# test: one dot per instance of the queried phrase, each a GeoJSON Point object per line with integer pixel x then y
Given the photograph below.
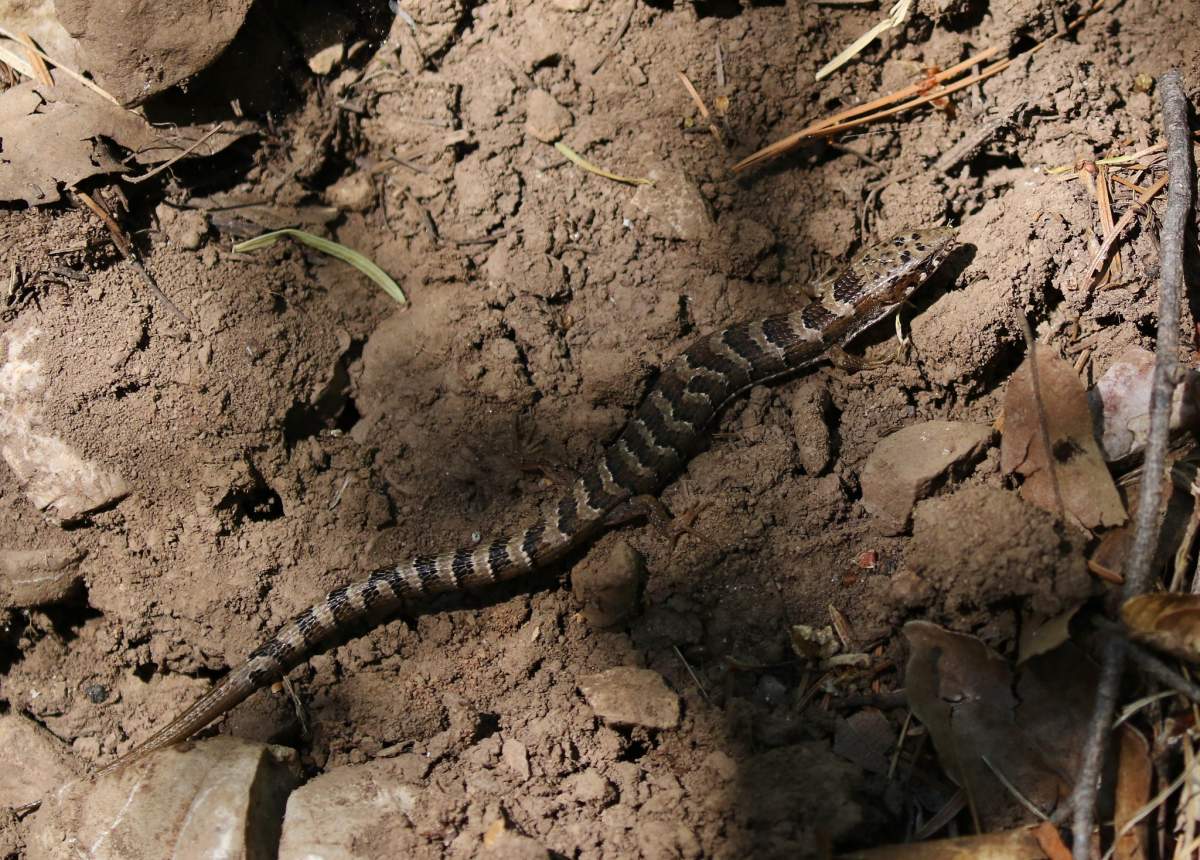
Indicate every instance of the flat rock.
{"type": "Point", "coordinates": [351, 813]}
{"type": "Point", "coordinates": [221, 797]}
{"type": "Point", "coordinates": [906, 466]}
{"type": "Point", "coordinates": [674, 207]}
{"type": "Point", "coordinates": [629, 696]}
{"type": "Point", "coordinates": [608, 582]}
{"type": "Point", "coordinates": [38, 577]}
{"type": "Point", "coordinates": [33, 762]}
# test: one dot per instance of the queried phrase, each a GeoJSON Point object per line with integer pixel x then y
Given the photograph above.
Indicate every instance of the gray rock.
{"type": "Point", "coordinates": [906, 466]}
{"type": "Point", "coordinates": [221, 797]}
{"type": "Point", "coordinates": [630, 696]}
{"type": "Point", "coordinates": [341, 814]}
{"type": "Point", "coordinates": [608, 583]}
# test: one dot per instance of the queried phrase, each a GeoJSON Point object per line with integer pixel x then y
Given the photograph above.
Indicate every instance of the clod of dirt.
{"type": "Point", "coordinates": [357, 811]}
{"type": "Point", "coordinates": [516, 755]}
{"type": "Point", "coordinates": [136, 50]}
{"type": "Point", "coordinates": [508, 845]}
{"type": "Point", "coordinates": [628, 696]}
{"type": "Point", "coordinates": [353, 193]}
{"type": "Point", "coordinates": [608, 583]}
{"type": "Point", "coordinates": [673, 205]}
{"type": "Point", "coordinates": [545, 118]}
{"type": "Point", "coordinates": [906, 466]}
{"type": "Point", "coordinates": [1071, 477]}
{"type": "Point", "coordinates": [1120, 403]}
{"type": "Point", "coordinates": [37, 577]}
{"type": "Point", "coordinates": [802, 786]}
{"type": "Point", "coordinates": [982, 545]}
{"type": "Point", "coordinates": [322, 32]}
{"type": "Point", "coordinates": [810, 406]}
{"type": "Point", "coordinates": [222, 796]}
{"type": "Point", "coordinates": [33, 762]}
{"type": "Point", "coordinates": [52, 473]}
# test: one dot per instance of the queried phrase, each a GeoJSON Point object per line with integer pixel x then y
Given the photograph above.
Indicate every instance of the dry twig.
{"type": "Point", "coordinates": [1137, 566]}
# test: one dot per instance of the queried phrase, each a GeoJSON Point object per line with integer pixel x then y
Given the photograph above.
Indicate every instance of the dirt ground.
{"type": "Point", "coordinates": [304, 430]}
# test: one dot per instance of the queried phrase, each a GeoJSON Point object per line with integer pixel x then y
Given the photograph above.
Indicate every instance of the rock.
{"type": "Point", "coordinates": [630, 696]}
{"type": "Point", "coordinates": [340, 814]}
{"type": "Point", "coordinates": [906, 466]}
{"type": "Point", "coordinates": [353, 193]}
{"type": "Point", "coordinates": [674, 205]}
{"type": "Point", "coordinates": [221, 797]}
{"type": "Point", "coordinates": [136, 50]}
{"type": "Point", "coordinates": [1120, 403]}
{"type": "Point", "coordinates": [33, 762]}
{"type": "Point", "coordinates": [516, 756]}
{"type": "Point", "coordinates": [608, 583]}
{"type": "Point", "coordinates": [572, 5]}
{"type": "Point", "coordinates": [590, 787]}
{"type": "Point", "coordinates": [53, 475]}
{"type": "Point", "coordinates": [37, 577]}
{"type": "Point", "coordinates": [545, 118]}
{"type": "Point", "coordinates": [508, 845]}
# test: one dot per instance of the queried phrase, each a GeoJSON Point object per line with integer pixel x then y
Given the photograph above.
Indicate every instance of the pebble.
{"type": "Point", "coordinates": [906, 466]}
{"type": "Point", "coordinates": [629, 696]}
{"type": "Point", "coordinates": [516, 756]}
{"type": "Point", "coordinates": [353, 193]}
{"type": "Point", "coordinates": [674, 205]}
{"type": "Point", "coordinates": [608, 583]}
{"type": "Point", "coordinates": [545, 118]}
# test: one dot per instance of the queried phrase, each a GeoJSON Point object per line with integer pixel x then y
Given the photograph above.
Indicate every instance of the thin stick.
{"type": "Point", "coordinates": [1137, 566]}
{"type": "Point", "coordinates": [134, 180]}
{"type": "Point", "coordinates": [1119, 228]}
{"type": "Point", "coordinates": [687, 85]}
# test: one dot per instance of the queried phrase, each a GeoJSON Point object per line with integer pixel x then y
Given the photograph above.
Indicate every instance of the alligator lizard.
{"type": "Point", "coordinates": [653, 447]}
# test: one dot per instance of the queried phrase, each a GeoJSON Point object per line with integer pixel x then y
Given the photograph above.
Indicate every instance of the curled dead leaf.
{"type": "Point", "coordinates": [1168, 622]}
{"type": "Point", "coordinates": [1067, 476]}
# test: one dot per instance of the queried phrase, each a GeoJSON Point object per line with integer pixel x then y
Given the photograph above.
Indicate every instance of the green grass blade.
{"type": "Point", "coordinates": [333, 249]}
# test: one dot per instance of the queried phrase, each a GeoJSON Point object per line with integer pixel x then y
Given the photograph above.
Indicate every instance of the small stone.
{"type": "Point", "coordinates": [590, 787]}
{"type": "Point", "coordinates": [353, 193]}
{"type": "Point", "coordinates": [906, 466]}
{"type": "Point", "coordinates": [545, 118]}
{"type": "Point", "coordinates": [572, 5]}
{"type": "Point", "coordinates": [38, 577]}
{"type": "Point", "coordinates": [630, 696]}
{"type": "Point", "coordinates": [608, 583]}
{"type": "Point", "coordinates": [219, 797]}
{"type": "Point", "coordinates": [674, 206]}
{"type": "Point", "coordinates": [516, 756]}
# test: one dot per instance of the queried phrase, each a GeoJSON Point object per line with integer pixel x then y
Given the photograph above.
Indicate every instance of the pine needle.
{"type": "Point", "coordinates": [577, 159]}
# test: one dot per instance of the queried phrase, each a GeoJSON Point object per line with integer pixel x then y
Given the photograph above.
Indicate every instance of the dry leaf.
{"type": "Point", "coordinates": [1135, 774]}
{"type": "Point", "coordinates": [1072, 475]}
{"type": "Point", "coordinates": [55, 137]}
{"type": "Point", "coordinates": [1029, 730]}
{"type": "Point", "coordinates": [1169, 622]}
{"type": "Point", "coordinates": [1044, 635]}
{"type": "Point", "coordinates": [1019, 844]}
{"type": "Point", "coordinates": [1120, 403]}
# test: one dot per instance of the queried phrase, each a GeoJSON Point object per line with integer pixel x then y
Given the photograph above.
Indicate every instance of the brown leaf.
{"type": "Point", "coordinates": [1050, 842]}
{"type": "Point", "coordinates": [56, 137]}
{"type": "Point", "coordinates": [1019, 844]}
{"type": "Point", "coordinates": [1135, 773]}
{"type": "Point", "coordinates": [963, 692]}
{"type": "Point", "coordinates": [1169, 622]}
{"type": "Point", "coordinates": [1071, 477]}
